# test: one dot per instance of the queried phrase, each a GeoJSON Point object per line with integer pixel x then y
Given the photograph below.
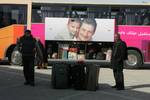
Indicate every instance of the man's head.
{"type": "Point", "coordinates": [117, 37]}
{"type": "Point", "coordinates": [87, 29]}
{"type": "Point", "coordinates": [27, 33]}
{"type": "Point", "coordinates": [74, 26]}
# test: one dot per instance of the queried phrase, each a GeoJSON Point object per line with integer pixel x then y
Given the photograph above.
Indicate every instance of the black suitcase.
{"type": "Point", "coordinates": [60, 76]}
{"type": "Point", "coordinates": [78, 77]}
{"type": "Point", "coordinates": [92, 77]}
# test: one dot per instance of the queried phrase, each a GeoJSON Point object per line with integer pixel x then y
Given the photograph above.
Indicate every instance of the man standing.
{"type": "Point", "coordinates": [119, 54]}
{"type": "Point", "coordinates": [40, 54]}
{"type": "Point", "coordinates": [27, 46]}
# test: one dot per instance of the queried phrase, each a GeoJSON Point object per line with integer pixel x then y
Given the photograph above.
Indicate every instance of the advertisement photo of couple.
{"type": "Point", "coordinates": [78, 29]}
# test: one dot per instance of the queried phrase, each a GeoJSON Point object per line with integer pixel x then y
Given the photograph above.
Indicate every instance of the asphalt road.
{"type": "Point", "coordinates": [137, 86]}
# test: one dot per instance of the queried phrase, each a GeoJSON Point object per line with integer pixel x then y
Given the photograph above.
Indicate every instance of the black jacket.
{"type": "Point", "coordinates": [27, 45]}
{"type": "Point", "coordinates": [119, 54]}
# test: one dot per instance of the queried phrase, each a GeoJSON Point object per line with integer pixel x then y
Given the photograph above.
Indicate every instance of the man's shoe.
{"type": "Point", "coordinates": [113, 86]}
{"type": "Point", "coordinates": [26, 83]}
{"type": "Point", "coordinates": [120, 88]}
{"type": "Point", "coordinates": [32, 84]}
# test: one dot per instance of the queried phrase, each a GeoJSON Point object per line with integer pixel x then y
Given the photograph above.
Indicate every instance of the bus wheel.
{"type": "Point", "coordinates": [16, 58]}
{"type": "Point", "coordinates": [134, 59]}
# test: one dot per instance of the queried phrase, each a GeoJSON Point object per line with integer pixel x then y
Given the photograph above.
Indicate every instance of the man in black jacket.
{"type": "Point", "coordinates": [119, 54]}
{"type": "Point", "coordinates": [27, 46]}
{"type": "Point", "coordinates": [41, 57]}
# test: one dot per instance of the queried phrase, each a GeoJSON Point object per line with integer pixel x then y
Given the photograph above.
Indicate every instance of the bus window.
{"type": "Point", "coordinates": [39, 12]}
{"type": "Point", "coordinates": [79, 11]}
{"type": "Point", "coordinates": [12, 14]}
{"type": "Point", "coordinates": [146, 18]}
{"type": "Point", "coordinates": [36, 14]}
{"type": "Point", "coordinates": [120, 18]}
{"type": "Point", "coordinates": [139, 18]}
{"type": "Point", "coordinates": [130, 16]}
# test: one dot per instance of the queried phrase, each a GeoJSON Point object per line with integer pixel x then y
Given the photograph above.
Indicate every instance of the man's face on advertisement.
{"type": "Point", "coordinates": [86, 32]}
{"type": "Point", "coordinates": [73, 27]}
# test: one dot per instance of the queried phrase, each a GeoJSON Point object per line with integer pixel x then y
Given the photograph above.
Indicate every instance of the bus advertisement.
{"type": "Point", "coordinates": [54, 30]}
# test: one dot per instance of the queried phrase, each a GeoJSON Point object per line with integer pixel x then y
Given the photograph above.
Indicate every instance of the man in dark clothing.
{"type": "Point", "coordinates": [40, 54]}
{"type": "Point", "coordinates": [118, 56]}
{"type": "Point", "coordinates": [27, 48]}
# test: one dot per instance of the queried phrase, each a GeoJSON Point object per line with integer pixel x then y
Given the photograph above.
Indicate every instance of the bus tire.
{"type": "Point", "coordinates": [16, 58]}
{"type": "Point", "coordinates": [134, 60]}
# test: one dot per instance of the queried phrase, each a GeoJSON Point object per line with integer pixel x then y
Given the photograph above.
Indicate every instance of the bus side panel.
{"type": "Point", "coordinates": [18, 32]}
{"type": "Point", "coordinates": [38, 31]}
{"type": "Point", "coordinates": [138, 37]}
{"type": "Point", "coordinates": [8, 36]}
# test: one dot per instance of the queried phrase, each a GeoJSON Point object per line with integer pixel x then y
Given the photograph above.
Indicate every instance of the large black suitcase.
{"type": "Point", "coordinates": [78, 76]}
{"type": "Point", "coordinates": [92, 77]}
{"type": "Point", "coordinates": [60, 76]}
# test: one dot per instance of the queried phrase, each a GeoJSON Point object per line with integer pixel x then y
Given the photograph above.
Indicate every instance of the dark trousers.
{"type": "Point", "coordinates": [119, 78]}
{"type": "Point", "coordinates": [28, 68]}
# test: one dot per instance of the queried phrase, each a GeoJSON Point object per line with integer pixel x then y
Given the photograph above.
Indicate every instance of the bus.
{"type": "Point", "coordinates": [132, 21]}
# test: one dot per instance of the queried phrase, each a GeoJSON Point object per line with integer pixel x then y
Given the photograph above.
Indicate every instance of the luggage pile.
{"type": "Point", "coordinates": [78, 76]}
